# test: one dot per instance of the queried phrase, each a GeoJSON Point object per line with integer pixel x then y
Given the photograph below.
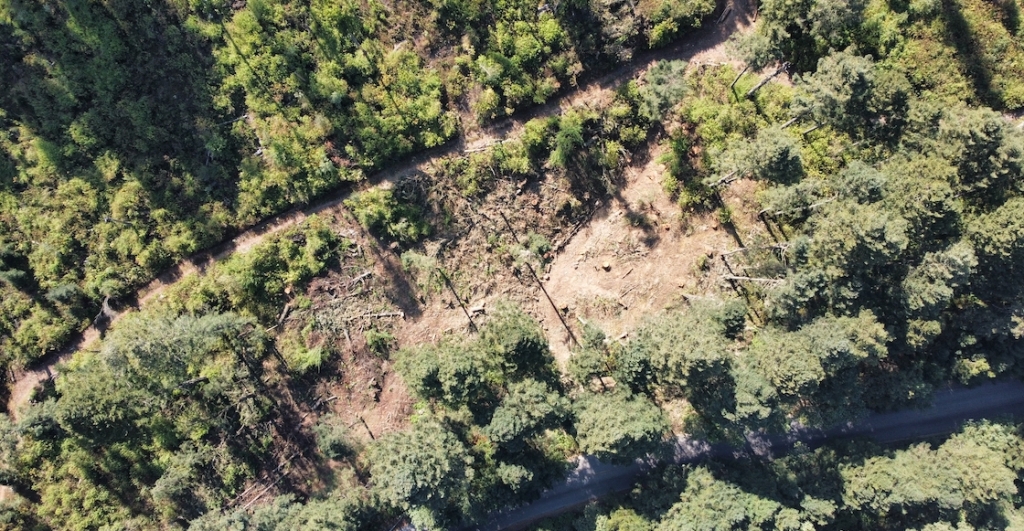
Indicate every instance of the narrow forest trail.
{"type": "Point", "coordinates": [705, 45]}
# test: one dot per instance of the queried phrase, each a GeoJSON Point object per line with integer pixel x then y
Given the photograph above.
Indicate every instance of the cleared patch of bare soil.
{"type": "Point", "coordinates": [704, 46]}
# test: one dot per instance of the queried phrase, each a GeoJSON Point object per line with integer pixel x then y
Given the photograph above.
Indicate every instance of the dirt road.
{"type": "Point", "coordinates": [950, 408]}
{"type": "Point", "coordinates": [706, 45]}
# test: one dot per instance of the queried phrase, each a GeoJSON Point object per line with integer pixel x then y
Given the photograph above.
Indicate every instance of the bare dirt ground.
{"type": "Point", "coordinates": [703, 46]}
{"type": "Point", "coordinates": [637, 256]}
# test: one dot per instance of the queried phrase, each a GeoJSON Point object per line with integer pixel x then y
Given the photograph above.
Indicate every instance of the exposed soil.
{"type": "Point", "coordinates": [637, 255]}
{"type": "Point", "coordinates": [705, 45]}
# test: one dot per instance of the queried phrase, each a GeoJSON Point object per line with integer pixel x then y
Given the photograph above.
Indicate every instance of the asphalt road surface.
{"type": "Point", "coordinates": [949, 409]}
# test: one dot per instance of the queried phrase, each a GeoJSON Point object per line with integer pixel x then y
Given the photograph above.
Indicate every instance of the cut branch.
{"type": "Point", "coordinates": [376, 316]}
{"type": "Point", "coordinates": [782, 68]}
{"type": "Point", "coordinates": [810, 130]}
{"type": "Point", "coordinates": [754, 279]}
{"type": "Point", "coordinates": [727, 178]}
{"type": "Point", "coordinates": [792, 121]}
{"type": "Point", "coordinates": [738, 76]}
{"type": "Point", "coordinates": [778, 247]}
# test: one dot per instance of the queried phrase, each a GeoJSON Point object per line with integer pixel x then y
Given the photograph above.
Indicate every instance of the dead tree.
{"type": "Point", "coordinates": [782, 68]}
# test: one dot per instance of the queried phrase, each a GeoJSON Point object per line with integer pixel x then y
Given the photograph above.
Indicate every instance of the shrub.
{"type": "Point", "coordinates": [380, 212]}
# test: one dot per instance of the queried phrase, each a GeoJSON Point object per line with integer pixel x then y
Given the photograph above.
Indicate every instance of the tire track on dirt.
{"type": "Point", "coordinates": [705, 44]}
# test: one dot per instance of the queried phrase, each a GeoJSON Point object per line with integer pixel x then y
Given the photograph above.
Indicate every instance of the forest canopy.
{"type": "Point", "coordinates": [850, 176]}
{"type": "Point", "coordinates": [135, 134]}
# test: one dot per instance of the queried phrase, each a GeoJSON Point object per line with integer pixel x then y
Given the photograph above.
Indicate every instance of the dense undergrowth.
{"type": "Point", "coordinates": [134, 134]}
{"type": "Point", "coordinates": [966, 481]}
{"type": "Point", "coordinates": [884, 262]}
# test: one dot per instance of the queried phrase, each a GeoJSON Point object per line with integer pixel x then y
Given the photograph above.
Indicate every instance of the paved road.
{"type": "Point", "coordinates": [949, 410]}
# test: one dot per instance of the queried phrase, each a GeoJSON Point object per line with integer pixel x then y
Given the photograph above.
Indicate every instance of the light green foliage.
{"type": "Point", "coordinates": [527, 55]}
{"type": "Point", "coordinates": [669, 17]}
{"type": "Point", "coordinates": [619, 427]}
{"type": "Point", "coordinates": [133, 135]}
{"type": "Point", "coordinates": [379, 211]}
{"type": "Point", "coordinates": [379, 342]}
{"type": "Point", "coordinates": [719, 138]}
{"type": "Point", "coordinates": [255, 282]}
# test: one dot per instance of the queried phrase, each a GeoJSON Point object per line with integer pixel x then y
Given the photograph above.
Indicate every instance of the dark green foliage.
{"type": "Point", "coordinates": [733, 316]}
{"type": "Point", "coordinates": [950, 51]}
{"type": "Point", "coordinates": [529, 408]}
{"type": "Point", "coordinates": [686, 351]}
{"type": "Point", "coordinates": [511, 348]}
{"type": "Point", "coordinates": [966, 482]}
{"type": "Point", "coordinates": [592, 360]}
{"type": "Point", "coordinates": [921, 484]}
{"type": "Point", "coordinates": [816, 370]}
{"type": "Point", "coordinates": [665, 87]}
{"type": "Point", "coordinates": [424, 471]}
{"type": "Point", "coordinates": [284, 513]}
{"type": "Point", "coordinates": [772, 156]}
{"type": "Point", "coordinates": [453, 375]}
{"type": "Point", "coordinates": [517, 343]}
{"type": "Point", "coordinates": [839, 92]}
{"type": "Point", "coordinates": [619, 427]}
{"type": "Point", "coordinates": [503, 400]}
{"type": "Point", "coordinates": [855, 239]}
{"type": "Point", "coordinates": [169, 408]}
{"type": "Point", "coordinates": [669, 17]}
{"type": "Point", "coordinates": [987, 153]}
{"type": "Point", "coordinates": [633, 368]}
{"type": "Point", "coordinates": [715, 505]}
{"type": "Point", "coordinates": [332, 438]}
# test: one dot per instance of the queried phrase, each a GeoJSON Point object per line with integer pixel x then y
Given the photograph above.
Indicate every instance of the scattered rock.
{"type": "Point", "coordinates": [607, 266]}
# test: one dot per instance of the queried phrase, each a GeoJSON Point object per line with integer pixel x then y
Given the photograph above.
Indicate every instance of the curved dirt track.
{"type": "Point", "coordinates": [949, 409]}
{"type": "Point", "coordinates": [706, 45]}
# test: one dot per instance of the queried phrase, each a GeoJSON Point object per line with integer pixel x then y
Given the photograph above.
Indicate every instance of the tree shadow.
{"type": "Point", "coordinates": [969, 52]}
{"type": "Point", "coordinates": [1011, 18]}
